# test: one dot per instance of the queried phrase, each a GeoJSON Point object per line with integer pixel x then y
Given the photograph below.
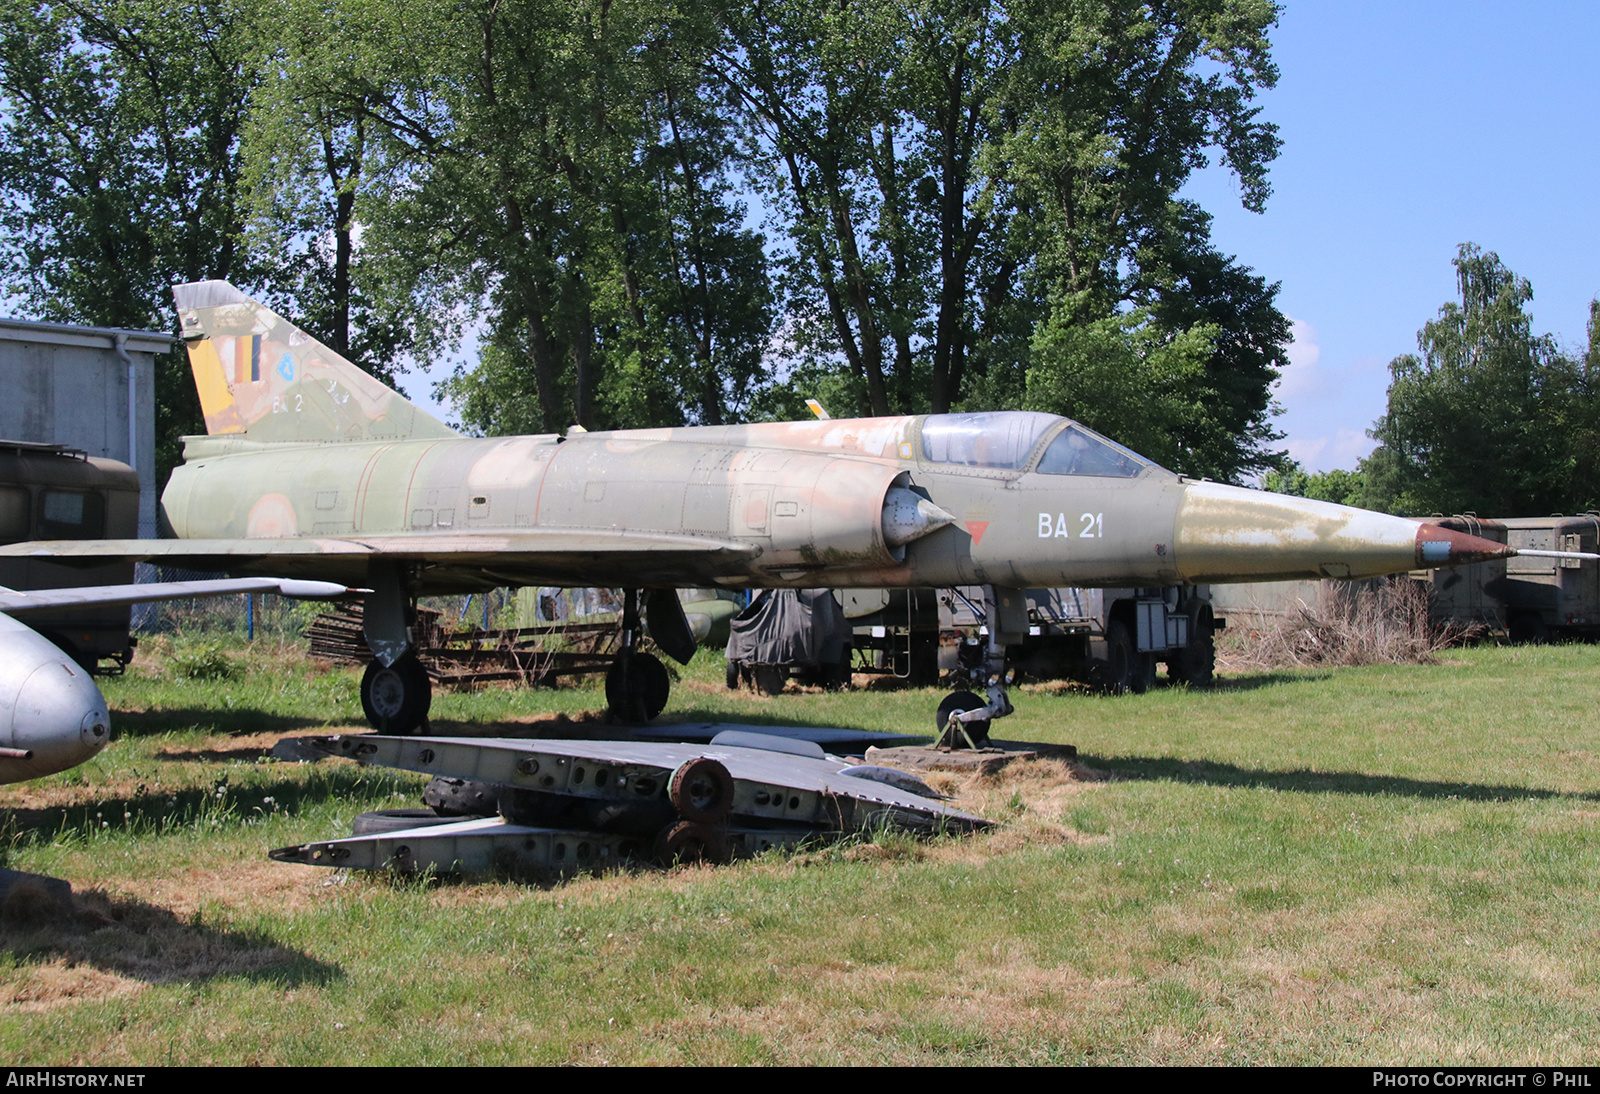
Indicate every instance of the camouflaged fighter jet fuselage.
{"type": "Point", "coordinates": [313, 469]}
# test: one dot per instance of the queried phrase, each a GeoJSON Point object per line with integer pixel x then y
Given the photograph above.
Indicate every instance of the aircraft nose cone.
{"type": "Point", "coordinates": [59, 716]}
{"type": "Point", "coordinates": [1438, 546]}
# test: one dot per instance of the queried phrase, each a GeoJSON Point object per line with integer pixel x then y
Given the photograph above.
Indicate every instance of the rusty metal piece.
{"type": "Point", "coordinates": [701, 790]}
{"type": "Point", "coordinates": [467, 657]}
{"type": "Point", "coordinates": [690, 841]}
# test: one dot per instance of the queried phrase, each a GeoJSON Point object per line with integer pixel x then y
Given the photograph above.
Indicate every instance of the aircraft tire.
{"type": "Point", "coordinates": [380, 821]}
{"type": "Point", "coordinates": [690, 841]}
{"type": "Point", "coordinates": [701, 790]}
{"type": "Point", "coordinates": [637, 687]}
{"type": "Point", "coordinates": [654, 681]}
{"type": "Point", "coordinates": [395, 698]}
{"type": "Point", "coordinates": [960, 702]}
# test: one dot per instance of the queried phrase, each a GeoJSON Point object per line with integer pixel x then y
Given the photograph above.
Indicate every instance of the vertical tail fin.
{"type": "Point", "coordinates": [262, 377]}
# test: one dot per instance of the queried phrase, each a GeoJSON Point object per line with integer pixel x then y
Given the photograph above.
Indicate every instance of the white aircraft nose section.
{"type": "Point", "coordinates": [58, 718]}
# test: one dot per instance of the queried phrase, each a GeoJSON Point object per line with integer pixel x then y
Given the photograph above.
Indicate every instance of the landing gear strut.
{"type": "Point", "coordinates": [963, 717]}
{"type": "Point", "coordinates": [395, 690]}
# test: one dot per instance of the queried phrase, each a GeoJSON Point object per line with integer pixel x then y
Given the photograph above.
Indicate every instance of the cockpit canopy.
{"type": "Point", "coordinates": [1005, 440]}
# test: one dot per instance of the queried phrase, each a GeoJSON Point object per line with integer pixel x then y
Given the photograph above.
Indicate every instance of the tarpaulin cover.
{"type": "Point", "coordinates": [790, 627]}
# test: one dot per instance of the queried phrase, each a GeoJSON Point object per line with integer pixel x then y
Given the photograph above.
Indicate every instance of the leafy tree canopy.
{"type": "Point", "coordinates": [1488, 417]}
{"type": "Point", "coordinates": [1338, 486]}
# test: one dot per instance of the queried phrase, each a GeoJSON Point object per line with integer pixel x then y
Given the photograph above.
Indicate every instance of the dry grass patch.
{"type": "Point", "coordinates": [1371, 623]}
{"type": "Point", "coordinates": [111, 944]}
{"type": "Point", "coordinates": [60, 983]}
{"type": "Point", "coordinates": [241, 885]}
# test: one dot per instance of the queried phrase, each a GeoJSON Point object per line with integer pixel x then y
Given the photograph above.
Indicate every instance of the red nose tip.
{"type": "Point", "coordinates": [1438, 546]}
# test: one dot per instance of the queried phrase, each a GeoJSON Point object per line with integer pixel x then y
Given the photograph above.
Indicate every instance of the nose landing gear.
{"type": "Point", "coordinates": [963, 718]}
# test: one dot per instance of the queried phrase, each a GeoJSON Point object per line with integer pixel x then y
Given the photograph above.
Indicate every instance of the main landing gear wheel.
{"type": "Point", "coordinates": [959, 702]}
{"type": "Point", "coordinates": [637, 687]}
{"type": "Point", "coordinates": [396, 698]}
{"type": "Point", "coordinates": [701, 790]}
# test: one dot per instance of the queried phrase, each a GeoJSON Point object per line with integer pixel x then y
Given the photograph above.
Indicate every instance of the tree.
{"type": "Point", "coordinates": [1468, 426]}
{"type": "Point", "coordinates": [948, 172]}
{"type": "Point", "coordinates": [1572, 413]}
{"type": "Point", "coordinates": [553, 170]}
{"type": "Point", "coordinates": [1338, 486]}
{"type": "Point", "coordinates": [1121, 375]}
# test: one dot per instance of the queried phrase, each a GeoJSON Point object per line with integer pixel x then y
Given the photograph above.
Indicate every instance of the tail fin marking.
{"type": "Point", "coordinates": [263, 377]}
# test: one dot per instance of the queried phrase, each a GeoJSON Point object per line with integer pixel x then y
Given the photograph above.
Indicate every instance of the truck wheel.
{"type": "Point", "coordinates": [959, 702]}
{"type": "Point", "coordinates": [1144, 673]}
{"type": "Point", "coordinates": [688, 841]}
{"type": "Point", "coordinates": [769, 679]}
{"type": "Point", "coordinates": [1117, 670]}
{"type": "Point", "coordinates": [1196, 664]}
{"type": "Point", "coordinates": [836, 677]}
{"type": "Point", "coordinates": [396, 698]}
{"type": "Point", "coordinates": [701, 790]}
{"type": "Point", "coordinates": [1527, 628]}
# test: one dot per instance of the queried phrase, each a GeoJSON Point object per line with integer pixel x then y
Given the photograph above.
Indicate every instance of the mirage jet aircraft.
{"type": "Point", "coordinates": [312, 468]}
{"type": "Point", "coordinates": [52, 715]}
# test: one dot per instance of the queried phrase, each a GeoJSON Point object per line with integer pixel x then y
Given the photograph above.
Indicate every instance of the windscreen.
{"type": "Point", "coordinates": [1000, 439]}
{"type": "Point", "coordinates": [1078, 451]}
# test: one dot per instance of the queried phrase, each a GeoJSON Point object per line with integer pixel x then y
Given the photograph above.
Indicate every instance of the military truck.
{"type": "Point", "coordinates": [1112, 638]}
{"type": "Point", "coordinates": [53, 492]}
{"type": "Point", "coordinates": [1552, 597]}
{"type": "Point", "coordinates": [1527, 598]}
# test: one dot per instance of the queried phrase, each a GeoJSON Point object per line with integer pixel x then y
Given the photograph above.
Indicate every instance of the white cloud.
{"type": "Point", "coordinates": [1329, 402]}
{"type": "Point", "coordinates": [1302, 375]}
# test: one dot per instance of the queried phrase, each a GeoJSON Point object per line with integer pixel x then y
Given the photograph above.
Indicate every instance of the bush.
{"type": "Point", "coordinates": [204, 662]}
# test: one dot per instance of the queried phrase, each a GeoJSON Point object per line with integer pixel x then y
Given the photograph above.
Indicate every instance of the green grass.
{"type": "Point", "coordinates": [1382, 865]}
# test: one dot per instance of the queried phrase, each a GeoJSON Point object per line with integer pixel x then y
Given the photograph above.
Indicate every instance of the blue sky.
{"type": "Point", "coordinates": [1408, 129]}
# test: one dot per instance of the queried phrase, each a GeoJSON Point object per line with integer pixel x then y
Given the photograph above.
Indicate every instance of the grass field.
{"type": "Point", "coordinates": [1378, 865]}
